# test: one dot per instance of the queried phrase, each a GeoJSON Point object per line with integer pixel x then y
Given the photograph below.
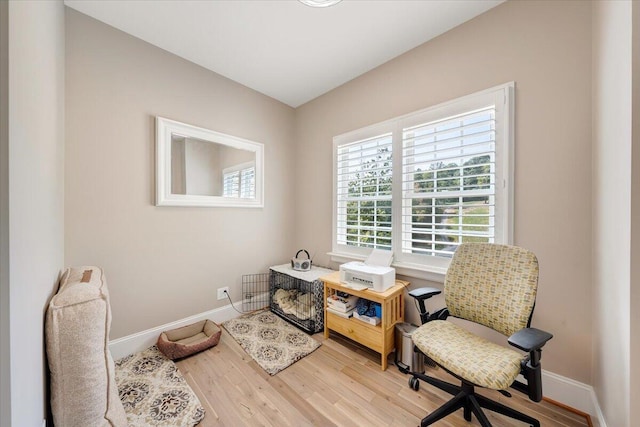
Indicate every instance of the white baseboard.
{"type": "Point", "coordinates": [142, 340]}
{"type": "Point", "coordinates": [599, 417]}
{"type": "Point", "coordinates": [572, 393]}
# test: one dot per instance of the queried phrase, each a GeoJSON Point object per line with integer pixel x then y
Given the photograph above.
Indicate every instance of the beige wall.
{"type": "Point", "coordinates": [634, 395]}
{"type": "Point", "coordinates": [32, 213]}
{"type": "Point", "coordinates": [5, 354]}
{"type": "Point", "coordinates": [162, 263]}
{"type": "Point", "coordinates": [545, 48]}
{"type": "Point", "coordinates": [612, 84]}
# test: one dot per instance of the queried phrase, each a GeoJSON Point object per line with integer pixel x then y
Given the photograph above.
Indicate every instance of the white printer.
{"type": "Point", "coordinates": [374, 277]}
{"type": "Point", "coordinates": [374, 274]}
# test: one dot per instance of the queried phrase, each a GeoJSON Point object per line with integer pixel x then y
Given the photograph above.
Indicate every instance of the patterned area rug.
{"type": "Point", "coordinates": [154, 392]}
{"type": "Point", "coordinates": [270, 341]}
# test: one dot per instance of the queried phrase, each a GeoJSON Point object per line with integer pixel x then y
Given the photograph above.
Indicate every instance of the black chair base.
{"type": "Point", "coordinates": [465, 398]}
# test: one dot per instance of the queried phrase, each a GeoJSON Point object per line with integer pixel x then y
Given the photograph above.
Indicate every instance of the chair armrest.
{"type": "Point", "coordinates": [424, 293]}
{"type": "Point", "coordinates": [420, 295]}
{"type": "Point", "coordinates": [529, 339]}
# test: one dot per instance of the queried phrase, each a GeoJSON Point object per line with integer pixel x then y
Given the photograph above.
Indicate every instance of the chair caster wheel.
{"type": "Point", "coordinates": [414, 383]}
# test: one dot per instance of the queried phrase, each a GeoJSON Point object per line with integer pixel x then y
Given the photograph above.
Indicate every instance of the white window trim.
{"type": "Point", "coordinates": [505, 102]}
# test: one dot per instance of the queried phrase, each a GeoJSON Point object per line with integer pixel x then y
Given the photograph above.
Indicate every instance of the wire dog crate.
{"type": "Point", "coordinates": [255, 291]}
{"type": "Point", "coordinates": [298, 296]}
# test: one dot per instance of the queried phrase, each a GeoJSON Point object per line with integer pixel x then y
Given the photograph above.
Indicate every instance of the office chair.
{"type": "Point", "coordinates": [493, 285]}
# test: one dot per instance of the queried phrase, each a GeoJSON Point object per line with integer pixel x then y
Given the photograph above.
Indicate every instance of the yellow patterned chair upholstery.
{"type": "Point", "coordinates": [495, 286]}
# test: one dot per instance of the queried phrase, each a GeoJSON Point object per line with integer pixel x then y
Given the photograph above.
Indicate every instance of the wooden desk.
{"type": "Point", "coordinates": [379, 338]}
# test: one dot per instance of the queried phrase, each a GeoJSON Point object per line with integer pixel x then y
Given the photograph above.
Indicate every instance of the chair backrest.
{"type": "Point", "coordinates": [494, 285]}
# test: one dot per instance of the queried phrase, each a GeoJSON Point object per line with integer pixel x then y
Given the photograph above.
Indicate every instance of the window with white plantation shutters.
{"type": "Point", "coordinates": [239, 181]}
{"type": "Point", "coordinates": [422, 184]}
{"type": "Point", "coordinates": [231, 184]}
{"type": "Point", "coordinates": [448, 169]}
{"type": "Point", "coordinates": [248, 183]}
{"type": "Point", "coordinates": [364, 179]}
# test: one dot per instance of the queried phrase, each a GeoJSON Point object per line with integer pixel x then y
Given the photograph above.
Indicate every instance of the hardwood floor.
{"type": "Point", "coordinates": [340, 384]}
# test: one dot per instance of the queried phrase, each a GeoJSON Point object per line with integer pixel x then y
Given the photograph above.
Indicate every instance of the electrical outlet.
{"type": "Point", "coordinates": [222, 294]}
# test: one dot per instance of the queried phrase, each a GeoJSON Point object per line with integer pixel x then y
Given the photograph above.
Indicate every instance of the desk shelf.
{"type": "Point", "coordinates": [379, 338]}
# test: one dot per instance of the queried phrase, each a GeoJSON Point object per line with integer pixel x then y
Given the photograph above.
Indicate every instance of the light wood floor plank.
{"type": "Point", "coordinates": [307, 410]}
{"type": "Point", "coordinates": [340, 384]}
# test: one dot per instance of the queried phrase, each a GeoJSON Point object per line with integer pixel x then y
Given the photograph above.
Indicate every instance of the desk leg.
{"type": "Point", "coordinates": [324, 305]}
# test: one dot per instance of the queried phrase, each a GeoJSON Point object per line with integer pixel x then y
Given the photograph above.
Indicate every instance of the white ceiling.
{"type": "Point", "coordinates": [283, 48]}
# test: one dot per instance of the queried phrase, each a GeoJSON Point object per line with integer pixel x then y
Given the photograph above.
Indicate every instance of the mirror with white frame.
{"type": "Point", "coordinates": [201, 167]}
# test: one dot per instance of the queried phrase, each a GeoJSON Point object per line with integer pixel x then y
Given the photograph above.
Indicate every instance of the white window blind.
{"type": "Point", "coordinates": [364, 190]}
{"type": "Point", "coordinates": [231, 184]}
{"type": "Point", "coordinates": [248, 183]}
{"type": "Point", "coordinates": [449, 183]}
{"type": "Point", "coordinates": [239, 181]}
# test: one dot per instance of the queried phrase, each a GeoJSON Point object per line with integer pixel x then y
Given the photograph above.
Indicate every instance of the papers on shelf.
{"type": "Point", "coordinates": [345, 314]}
